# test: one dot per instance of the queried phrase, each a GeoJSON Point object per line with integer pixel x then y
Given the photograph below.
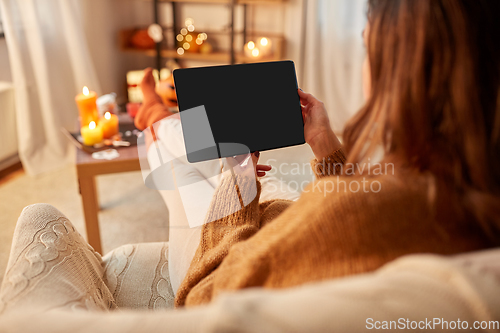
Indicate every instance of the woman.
{"type": "Point", "coordinates": [432, 85]}
{"type": "Point", "coordinates": [432, 79]}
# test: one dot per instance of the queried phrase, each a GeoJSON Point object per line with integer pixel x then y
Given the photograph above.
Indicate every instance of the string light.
{"type": "Point", "coordinates": [251, 45]}
{"type": "Point", "coordinates": [187, 36]}
{"type": "Point", "coordinates": [255, 52]}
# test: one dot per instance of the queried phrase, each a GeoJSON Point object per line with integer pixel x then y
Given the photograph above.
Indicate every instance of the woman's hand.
{"type": "Point", "coordinates": [241, 163]}
{"type": "Point", "coordinates": [317, 131]}
{"type": "Point", "coordinates": [260, 169]}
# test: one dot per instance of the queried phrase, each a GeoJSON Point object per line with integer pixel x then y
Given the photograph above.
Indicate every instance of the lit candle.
{"type": "Point", "coordinates": [251, 50]}
{"type": "Point", "coordinates": [86, 102]}
{"type": "Point", "coordinates": [109, 125]}
{"type": "Point", "coordinates": [264, 46]}
{"type": "Point", "coordinates": [91, 134]}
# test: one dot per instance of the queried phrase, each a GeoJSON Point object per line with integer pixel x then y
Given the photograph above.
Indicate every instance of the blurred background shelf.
{"type": "Point", "coordinates": [219, 56]}
{"type": "Point", "coordinates": [234, 40]}
{"type": "Point", "coordinates": [238, 2]}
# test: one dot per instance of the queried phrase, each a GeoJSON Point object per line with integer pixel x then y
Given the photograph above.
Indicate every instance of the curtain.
{"type": "Point", "coordinates": [50, 63]}
{"type": "Point", "coordinates": [333, 56]}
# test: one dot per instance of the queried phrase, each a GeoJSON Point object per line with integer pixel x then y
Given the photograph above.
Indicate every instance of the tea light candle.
{"type": "Point", "coordinates": [109, 125]}
{"type": "Point", "coordinates": [86, 102]}
{"type": "Point", "coordinates": [264, 45]}
{"type": "Point", "coordinates": [251, 50]}
{"type": "Point", "coordinates": [91, 134]}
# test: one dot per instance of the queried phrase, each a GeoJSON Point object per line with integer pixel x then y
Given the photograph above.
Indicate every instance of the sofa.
{"type": "Point", "coordinates": [55, 282]}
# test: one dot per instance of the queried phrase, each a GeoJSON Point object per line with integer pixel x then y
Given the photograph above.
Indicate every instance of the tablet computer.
{"type": "Point", "coordinates": [249, 107]}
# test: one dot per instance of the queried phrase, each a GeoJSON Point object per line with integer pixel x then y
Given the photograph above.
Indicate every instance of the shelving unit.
{"type": "Point", "coordinates": [232, 56]}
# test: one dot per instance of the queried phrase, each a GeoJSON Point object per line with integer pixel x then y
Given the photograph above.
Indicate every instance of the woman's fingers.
{"type": "Point", "coordinates": [239, 163]}
{"type": "Point", "coordinates": [263, 167]}
{"type": "Point", "coordinates": [307, 99]}
{"type": "Point", "coordinates": [306, 109]}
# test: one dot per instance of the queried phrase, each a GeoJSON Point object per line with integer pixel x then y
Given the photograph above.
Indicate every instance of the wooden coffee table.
{"type": "Point", "coordinates": [87, 169]}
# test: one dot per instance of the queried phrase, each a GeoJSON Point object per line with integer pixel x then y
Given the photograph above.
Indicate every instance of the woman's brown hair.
{"type": "Point", "coordinates": [435, 101]}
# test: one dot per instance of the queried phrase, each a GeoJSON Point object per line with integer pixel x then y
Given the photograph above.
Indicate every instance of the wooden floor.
{"type": "Point", "coordinates": [11, 173]}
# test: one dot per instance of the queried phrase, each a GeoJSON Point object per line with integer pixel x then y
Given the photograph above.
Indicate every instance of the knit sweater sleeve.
{"type": "Point", "coordinates": [228, 222]}
{"type": "Point", "coordinates": [330, 165]}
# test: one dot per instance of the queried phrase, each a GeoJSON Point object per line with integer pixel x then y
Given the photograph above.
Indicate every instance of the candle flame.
{"type": "Point", "coordinates": [85, 91]}
{"type": "Point", "coordinates": [264, 41]}
{"type": "Point", "coordinates": [92, 125]}
{"type": "Point", "coordinates": [251, 45]}
{"type": "Point", "coordinates": [255, 52]}
{"type": "Point", "coordinates": [107, 115]}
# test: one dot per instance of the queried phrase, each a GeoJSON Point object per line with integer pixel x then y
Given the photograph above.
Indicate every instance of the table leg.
{"type": "Point", "coordinates": [90, 209]}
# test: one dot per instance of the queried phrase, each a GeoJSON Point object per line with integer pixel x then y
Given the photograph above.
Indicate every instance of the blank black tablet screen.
{"type": "Point", "coordinates": [256, 105]}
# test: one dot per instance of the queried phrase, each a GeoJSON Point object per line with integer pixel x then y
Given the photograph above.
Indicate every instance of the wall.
{"type": "Point", "coordinates": [4, 62]}
{"type": "Point", "coordinates": [103, 19]}
{"type": "Point", "coordinates": [8, 133]}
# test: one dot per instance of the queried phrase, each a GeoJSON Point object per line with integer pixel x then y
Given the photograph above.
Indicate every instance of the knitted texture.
{"type": "Point", "coordinates": [330, 165]}
{"type": "Point", "coordinates": [137, 276]}
{"type": "Point", "coordinates": [341, 225]}
{"type": "Point", "coordinates": [52, 267]}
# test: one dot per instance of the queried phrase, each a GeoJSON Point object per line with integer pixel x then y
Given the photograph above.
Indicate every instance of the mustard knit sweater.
{"type": "Point", "coordinates": [331, 231]}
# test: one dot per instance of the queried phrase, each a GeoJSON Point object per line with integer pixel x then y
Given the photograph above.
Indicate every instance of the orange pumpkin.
{"type": "Point", "coordinates": [141, 40]}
